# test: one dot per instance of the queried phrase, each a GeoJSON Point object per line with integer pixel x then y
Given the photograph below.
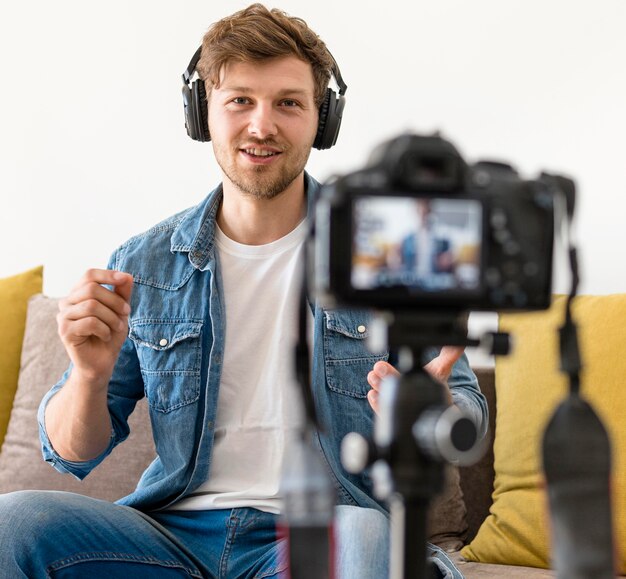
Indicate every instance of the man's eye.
{"type": "Point", "coordinates": [240, 100]}
{"type": "Point", "coordinates": [290, 103]}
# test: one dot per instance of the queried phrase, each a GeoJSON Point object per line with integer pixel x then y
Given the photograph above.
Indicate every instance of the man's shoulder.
{"type": "Point", "coordinates": [185, 222]}
{"type": "Point", "coordinates": [161, 243]}
{"type": "Point", "coordinates": [159, 232]}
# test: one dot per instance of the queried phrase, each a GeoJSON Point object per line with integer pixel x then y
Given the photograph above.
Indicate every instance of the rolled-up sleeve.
{"type": "Point", "coordinates": [79, 469]}
{"type": "Point", "coordinates": [467, 396]}
{"type": "Point", "coordinates": [125, 389]}
{"type": "Point", "coordinates": [465, 391]}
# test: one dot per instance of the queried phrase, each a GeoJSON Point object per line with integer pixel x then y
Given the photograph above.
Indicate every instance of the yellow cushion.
{"type": "Point", "coordinates": [14, 294]}
{"type": "Point", "coordinates": [529, 385]}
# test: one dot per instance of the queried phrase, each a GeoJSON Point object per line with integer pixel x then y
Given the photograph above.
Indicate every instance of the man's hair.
{"type": "Point", "coordinates": [256, 33]}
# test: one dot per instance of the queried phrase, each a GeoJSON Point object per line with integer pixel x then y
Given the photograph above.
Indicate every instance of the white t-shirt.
{"type": "Point", "coordinates": [259, 408]}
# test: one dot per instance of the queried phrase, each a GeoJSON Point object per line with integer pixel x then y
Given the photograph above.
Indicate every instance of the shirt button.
{"type": "Point", "coordinates": [163, 342]}
{"type": "Point", "coordinates": [361, 329]}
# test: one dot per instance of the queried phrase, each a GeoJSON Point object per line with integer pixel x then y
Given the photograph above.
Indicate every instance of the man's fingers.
{"type": "Point", "coordinates": [379, 372]}
{"type": "Point", "coordinates": [94, 291]}
{"type": "Point", "coordinates": [123, 285]}
{"type": "Point", "coordinates": [383, 369]}
{"type": "Point", "coordinates": [92, 308]}
{"type": "Point", "coordinates": [122, 282]}
{"type": "Point", "coordinates": [101, 276]}
{"type": "Point", "coordinates": [80, 330]}
{"type": "Point", "coordinates": [451, 353]}
{"type": "Point", "coordinates": [373, 380]}
{"type": "Point", "coordinates": [372, 398]}
{"type": "Point", "coordinates": [440, 367]}
{"type": "Point", "coordinates": [375, 377]}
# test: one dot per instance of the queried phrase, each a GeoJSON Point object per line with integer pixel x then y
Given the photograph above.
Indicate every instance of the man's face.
{"type": "Point", "coordinates": [263, 121]}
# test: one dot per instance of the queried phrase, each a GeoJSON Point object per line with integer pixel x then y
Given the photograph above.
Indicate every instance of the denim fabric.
{"type": "Point", "coordinates": [78, 537]}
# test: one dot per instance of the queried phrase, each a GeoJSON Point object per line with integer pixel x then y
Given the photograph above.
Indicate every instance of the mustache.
{"type": "Point", "coordinates": [262, 143]}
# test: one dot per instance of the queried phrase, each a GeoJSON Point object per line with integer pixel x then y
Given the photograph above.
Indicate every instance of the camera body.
{"type": "Point", "coordinates": [420, 229]}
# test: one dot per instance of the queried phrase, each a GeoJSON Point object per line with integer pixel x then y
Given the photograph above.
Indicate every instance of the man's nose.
{"type": "Point", "coordinates": [262, 121]}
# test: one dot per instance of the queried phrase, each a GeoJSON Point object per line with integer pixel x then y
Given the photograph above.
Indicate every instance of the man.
{"type": "Point", "coordinates": [199, 315]}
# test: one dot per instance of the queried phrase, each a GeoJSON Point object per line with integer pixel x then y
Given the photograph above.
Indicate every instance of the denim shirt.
{"type": "Point", "coordinates": [174, 353]}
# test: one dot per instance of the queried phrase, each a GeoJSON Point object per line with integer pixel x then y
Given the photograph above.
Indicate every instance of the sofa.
{"type": "Point", "coordinates": [43, 360]}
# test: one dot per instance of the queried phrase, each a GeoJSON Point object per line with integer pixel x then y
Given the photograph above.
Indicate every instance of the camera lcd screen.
{"type": "Point", "coordinates": [426, 245]}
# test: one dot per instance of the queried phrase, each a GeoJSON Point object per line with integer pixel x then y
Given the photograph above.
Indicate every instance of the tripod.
{"type": "Point", "coordinates": [416, 478]}
{"type": "Point", "coordinates": [415, 434]}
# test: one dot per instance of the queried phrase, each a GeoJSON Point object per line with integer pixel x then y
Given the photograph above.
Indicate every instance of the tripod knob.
{"type": "Point", "coordinates": [356, 452]}
{"type": "Point", "coordinates": [498, 343]}
{"type": "Point", "coordinates": [448, 434]}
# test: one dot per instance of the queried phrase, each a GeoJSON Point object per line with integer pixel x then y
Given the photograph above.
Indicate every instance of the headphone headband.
{"type": "Point", "coordinates": [343, 87]}
{"type": "Point", "coordinates": [191, 67]}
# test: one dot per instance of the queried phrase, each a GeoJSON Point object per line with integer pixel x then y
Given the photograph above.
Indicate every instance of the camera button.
{"type": "Point", "coordinates": [498, 219]}
{"type": "Point", "coordinates": [493, 277]}
{"type": "Point", "coordinates": [520, 299]}
{"type": "Point", "coordinates": [531, 269]}
{"type": "Point", "coordinates": [502, 236]}
{"type": "Point", "coordinates": [512, 248]}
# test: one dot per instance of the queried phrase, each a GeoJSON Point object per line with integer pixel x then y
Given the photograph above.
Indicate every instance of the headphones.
{"type": "Point", "coordinates": [196, 109]}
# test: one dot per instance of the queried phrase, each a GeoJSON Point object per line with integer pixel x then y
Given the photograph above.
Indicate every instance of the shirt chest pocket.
{"type": "Point", "coordinates": [169, 353]}
{"type": "Point", "coordinates": [347, 357]}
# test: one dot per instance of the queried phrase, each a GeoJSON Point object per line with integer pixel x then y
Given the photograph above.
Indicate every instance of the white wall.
{"type": "Point", "coordinates": [93, 148]}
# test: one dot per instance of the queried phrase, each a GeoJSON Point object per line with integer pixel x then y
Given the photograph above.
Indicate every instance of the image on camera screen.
{"type": "Point", "coordinates": [423, 244]}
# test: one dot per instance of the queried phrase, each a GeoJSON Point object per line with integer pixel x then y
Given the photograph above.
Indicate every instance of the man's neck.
{"type": "Point", "coordinates": [252, 221]}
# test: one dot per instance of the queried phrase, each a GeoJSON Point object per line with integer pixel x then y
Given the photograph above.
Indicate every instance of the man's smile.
{"type": "Point", "coordinates": [260, 152]}
{"type": "Point", "coordinates": [260, 155]}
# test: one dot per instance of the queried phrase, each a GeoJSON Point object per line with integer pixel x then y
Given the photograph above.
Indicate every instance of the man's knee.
{"type": "Point", "coordinates": [34, 513]}
{"type": "Point", "coordinates": [37, 525]}
{"type": "Point", "coordinates": [22, 505]}
{"type": "Point", "coordinates": [35, 503]}
{"type": "Point", "coordinates": [362, 542]}
{"type": "Point", "coordinates": [358, 521]}
{"type": "Point", "coordinates": [25, 517]}
{"type": "Point", "coordinates": [361, 530]}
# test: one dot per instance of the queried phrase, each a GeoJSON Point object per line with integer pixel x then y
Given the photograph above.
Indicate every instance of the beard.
{"type": "Point", "coordinates": [262, 182]}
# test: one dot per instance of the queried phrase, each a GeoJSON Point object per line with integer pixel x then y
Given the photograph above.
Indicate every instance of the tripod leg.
{"type": "Point", "coordinates": [408, 539]}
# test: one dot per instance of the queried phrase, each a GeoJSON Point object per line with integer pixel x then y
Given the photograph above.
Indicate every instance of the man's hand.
{"type": "Point", "coordinates": [375, 377]}
{"type": "Point", "coordinates": [439, 368]}
{"type": "Point", "coordinates": [93, 324]}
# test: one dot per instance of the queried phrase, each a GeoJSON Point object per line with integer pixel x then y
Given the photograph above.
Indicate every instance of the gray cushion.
{"type": "Point", "coordinates": [21, 465]}
{"type": "Point", "coordinates": [488, 571]}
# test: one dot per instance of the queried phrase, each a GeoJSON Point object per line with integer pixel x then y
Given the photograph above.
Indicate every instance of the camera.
{"type": "Point", "coordinates": [422, 237]}
{"type": "Point", "coordinates": [419, 228]}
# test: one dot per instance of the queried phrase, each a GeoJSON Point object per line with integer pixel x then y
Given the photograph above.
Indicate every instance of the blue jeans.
{"type": "Point", "coordinates": [47, 534]}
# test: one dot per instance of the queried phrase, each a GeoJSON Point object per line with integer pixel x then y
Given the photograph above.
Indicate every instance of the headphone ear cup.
{"type": "Point", "coordinates": [190, 125]}
{"type": "Point", "coordinates": [199, 111]}
{"type": "Point", "coordinates": [321, 123]}
{"type": "Point", "coordinates": [330, 113]}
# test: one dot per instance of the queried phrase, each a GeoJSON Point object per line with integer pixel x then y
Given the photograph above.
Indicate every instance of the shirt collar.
{"type": "Point", "coordinates": [195, 234]}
